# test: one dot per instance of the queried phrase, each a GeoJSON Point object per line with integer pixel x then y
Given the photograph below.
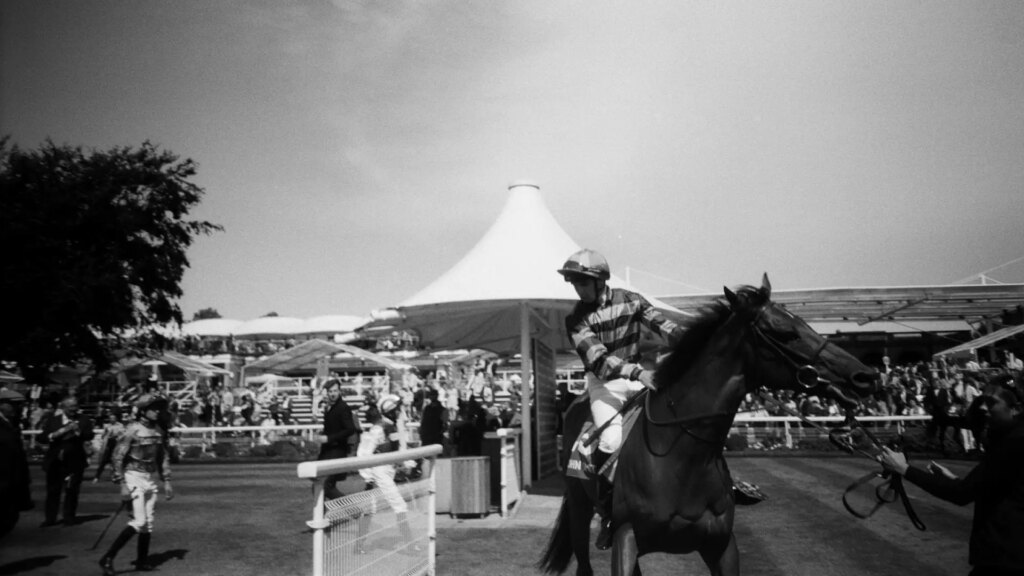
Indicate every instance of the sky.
{"type": "Point", "coordinates": [355, 151]}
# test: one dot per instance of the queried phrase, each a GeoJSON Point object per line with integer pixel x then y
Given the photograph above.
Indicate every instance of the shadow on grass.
{"type": "Point", "coordinates": [90, 518]}
{"type": "Point", "coordinates": [160, 558]}
{"type": "Point", "coordinates": [29, 564]}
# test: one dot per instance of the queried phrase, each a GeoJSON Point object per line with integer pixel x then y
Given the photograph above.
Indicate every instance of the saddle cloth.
{"type": "Point", "coordinates": [581, 457]}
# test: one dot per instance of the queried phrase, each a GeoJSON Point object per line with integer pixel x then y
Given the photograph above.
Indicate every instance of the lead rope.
{"type": "Point", "coordinates": [886, 492]}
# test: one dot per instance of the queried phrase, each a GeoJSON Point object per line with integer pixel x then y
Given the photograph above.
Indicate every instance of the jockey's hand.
{"type": "Point", "coordinates": [647, 379]}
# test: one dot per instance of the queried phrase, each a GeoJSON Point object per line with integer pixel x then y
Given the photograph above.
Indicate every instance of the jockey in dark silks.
{"type": "Point", "coordinates": [605, 328]}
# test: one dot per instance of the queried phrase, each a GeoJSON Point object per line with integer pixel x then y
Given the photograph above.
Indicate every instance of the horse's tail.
{"type": "Point", "coordinates": [559, 551]}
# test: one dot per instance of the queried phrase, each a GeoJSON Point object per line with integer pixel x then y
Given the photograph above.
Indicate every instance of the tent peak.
{"type": "Point", "coordinates": [522, 184]}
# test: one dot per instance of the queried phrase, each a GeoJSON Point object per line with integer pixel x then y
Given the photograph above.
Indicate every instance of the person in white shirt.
{"type": "Point", "coordinates": [385, 435]}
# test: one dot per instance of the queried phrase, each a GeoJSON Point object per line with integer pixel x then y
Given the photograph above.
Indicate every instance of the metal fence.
{"type": "Point", "coordinates": [361, 533]}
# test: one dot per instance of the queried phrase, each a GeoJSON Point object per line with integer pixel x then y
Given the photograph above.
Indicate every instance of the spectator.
{"type": "Point", "coordinates": [995, 485]}
{"type": "Point", "coordinates": [341, 431]}
{"type": "Point", "coordinates": [113, 429]}
{"type": "Point", "coordinates": [15, 496]}
{"type": "Point", "coordinates": [67, 433]}
{"type": "Point", "coordinates": [1012, 363]}
{"type": "Point", "coordinates": [384, 435]}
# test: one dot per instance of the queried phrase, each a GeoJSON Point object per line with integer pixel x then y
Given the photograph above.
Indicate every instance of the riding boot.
{"type": "Point", "coordinates": [142, 555]}
{"type": "Point", "coordinates": [403, 526]}
{"type": "Point", "coordinates": [362, 529]}
{"type": "Point", "coordinates": [604, 502]}
{"type": "Point", "coordinates": [107, 561]}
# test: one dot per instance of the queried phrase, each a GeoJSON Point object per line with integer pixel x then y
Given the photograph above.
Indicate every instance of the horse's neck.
{"type": "Point", "coordinates": [715, 381]}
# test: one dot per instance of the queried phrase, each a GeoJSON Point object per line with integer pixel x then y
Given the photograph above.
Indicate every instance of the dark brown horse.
{"type": "Point", "coordinates": [673, 491]}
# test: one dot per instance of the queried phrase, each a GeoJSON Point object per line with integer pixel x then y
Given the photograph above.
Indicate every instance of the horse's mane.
{"type": "Point", "coordinates": [697, 332]}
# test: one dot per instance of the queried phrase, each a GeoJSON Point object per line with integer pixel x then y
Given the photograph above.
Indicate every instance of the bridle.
{"type": "Point", "coordinates": [803, 366]}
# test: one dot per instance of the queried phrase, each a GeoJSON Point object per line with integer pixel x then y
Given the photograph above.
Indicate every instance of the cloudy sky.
{"type": "Point", "coordinates": [354, 151]}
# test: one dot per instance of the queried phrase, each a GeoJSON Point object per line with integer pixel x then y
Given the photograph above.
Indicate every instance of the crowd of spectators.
{"type": "Point", "coordinates": [478, 399]}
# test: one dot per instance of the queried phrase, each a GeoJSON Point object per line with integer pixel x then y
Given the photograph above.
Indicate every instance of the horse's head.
{"type": "Point", "coordinates": [786, 350]}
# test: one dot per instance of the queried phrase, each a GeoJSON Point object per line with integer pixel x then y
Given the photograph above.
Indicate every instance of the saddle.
{"type": "Point", "coordinates": [581, 458]}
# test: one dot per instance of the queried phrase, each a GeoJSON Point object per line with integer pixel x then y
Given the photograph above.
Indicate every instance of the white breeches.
{"type": "Point", "coordinates": [606, 398]}
{"type": "Point", "coordinates": [384, 478]}
{"type": "Point", "coordinates": [144, 492]}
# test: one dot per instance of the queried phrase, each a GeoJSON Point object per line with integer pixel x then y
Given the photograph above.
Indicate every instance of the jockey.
{"type": "Point", "coordinates": [605, 328]}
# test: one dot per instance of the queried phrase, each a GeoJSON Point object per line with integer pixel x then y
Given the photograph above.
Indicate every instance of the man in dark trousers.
{"type": "Point", "coordinates": [432, 426]}
{"type": "Point", "coordinates": [995, 485]}
{"type": "Point", "coordinates": [14, 477]}
{"type": "Point", "coordinates": [67, 432]}
{"type": "Point", "coordinates": [341, 432]}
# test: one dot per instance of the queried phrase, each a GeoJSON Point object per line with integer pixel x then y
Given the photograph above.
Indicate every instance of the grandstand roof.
{"type": "Point", "coordinates": [983, 341]}
{"type": "Point", "coordinates": [974, 304]}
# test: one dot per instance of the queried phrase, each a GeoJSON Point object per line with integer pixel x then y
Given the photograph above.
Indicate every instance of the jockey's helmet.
{"type": "Point", "coordinates": [585, 262]}
{"type": "Point", "coordinates": [147, 401]}
{"type": "Point", "coordinates": [388, 403]}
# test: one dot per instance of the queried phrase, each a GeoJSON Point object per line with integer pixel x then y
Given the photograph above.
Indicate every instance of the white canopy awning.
{"type": "Point", "coordinates": [305, 355]}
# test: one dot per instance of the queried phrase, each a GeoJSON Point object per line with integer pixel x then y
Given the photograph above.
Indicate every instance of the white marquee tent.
{"type": "Point", "coordinates": [503, 295]}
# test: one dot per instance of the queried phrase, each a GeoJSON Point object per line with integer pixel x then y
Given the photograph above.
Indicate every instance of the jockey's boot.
{"type": "Point", "coordinates": [362, 529]}
{"type": "Point", "coordinates": [107, 561]}
{"type": "Point", "coordinates": [604, 502]}
{"type": "Point", "coordinates": [142, 553]}
{"type": "Point", "coordinates": [406, 530]}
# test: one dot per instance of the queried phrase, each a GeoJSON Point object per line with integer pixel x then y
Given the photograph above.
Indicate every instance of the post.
{"type": "Point", "coordinates": [318, 524]}
{"type": "Point", "coordinates": [526, 370]}
{"type": "Point", "coordinates": [432, 518]}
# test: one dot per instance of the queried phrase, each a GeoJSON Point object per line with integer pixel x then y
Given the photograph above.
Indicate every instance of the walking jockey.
{"type": "Point", "coordinates": [139, 460]}
{"type": "Point", "coordinates": [605, 328]}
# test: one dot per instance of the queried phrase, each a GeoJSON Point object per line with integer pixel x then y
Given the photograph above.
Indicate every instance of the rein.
{"type": "Point", "coordinates": [886, 492]}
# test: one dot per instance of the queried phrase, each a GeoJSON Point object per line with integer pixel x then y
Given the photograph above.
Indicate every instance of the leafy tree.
{"type": "Point", "coordinates": [270, 315]}
{"type": "Point", "coordinates": [205, 314]}
{"type": "Point", "coordinates": [93, 247]}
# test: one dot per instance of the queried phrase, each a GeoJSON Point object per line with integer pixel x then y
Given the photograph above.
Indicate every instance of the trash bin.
{"type": "Point", "coordinates": [471, 480]}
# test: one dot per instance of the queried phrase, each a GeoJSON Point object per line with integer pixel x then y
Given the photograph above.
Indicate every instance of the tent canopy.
{"type": "Point", "coordinates": [478, 303]}
{"type": "Point", "coordinates": [9, 377]}
{"type": "Point", "coordinates": [986, 340]}
{"type": "Point", "coordinates": [305, 355]}
{"type": "Point", "coordinates": [268, 327]}
{"type": "Point", "coordinates": [179, 360]}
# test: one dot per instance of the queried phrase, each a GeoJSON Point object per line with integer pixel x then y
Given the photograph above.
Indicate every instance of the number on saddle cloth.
{"type": "Point", "coordinates": [581, 458]}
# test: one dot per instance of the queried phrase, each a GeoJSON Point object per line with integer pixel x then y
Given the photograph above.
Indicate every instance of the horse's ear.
{"type": "Point", "coordinates": [734, 300]}
{"type": "Point", "coordinates": [766, 286]}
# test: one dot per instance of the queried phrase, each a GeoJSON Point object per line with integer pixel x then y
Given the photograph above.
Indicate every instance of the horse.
{"type": "Point", "coordinates": [673, 490]}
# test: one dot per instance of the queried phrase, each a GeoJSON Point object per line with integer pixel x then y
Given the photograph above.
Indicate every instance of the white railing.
{"type": "Point", "coordinates": [787, 430]}
{"type": "Point", "coordinates": [336, 550]}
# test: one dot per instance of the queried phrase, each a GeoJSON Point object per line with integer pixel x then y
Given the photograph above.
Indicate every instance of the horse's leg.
{"type": "Point", "coordinates": [625, 560]}
{"type": "Point", "coordinates": [581, 512]}
{"type": "Point", "coordinates": [724, 562]}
